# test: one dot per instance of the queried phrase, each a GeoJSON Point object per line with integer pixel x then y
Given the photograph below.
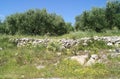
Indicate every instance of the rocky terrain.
{"type": "Point", "coordinates": [60, 57]}
{"type": "Point", "coordinates": [85, 59]}
{"type": "Point", "coordinates": [110, 40]}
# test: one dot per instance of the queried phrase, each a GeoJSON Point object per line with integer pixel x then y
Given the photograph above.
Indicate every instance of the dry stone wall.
{"type": "Point", "coordinates": [85, 59]}
{"type": "Point", "coordinates": [67, 43]}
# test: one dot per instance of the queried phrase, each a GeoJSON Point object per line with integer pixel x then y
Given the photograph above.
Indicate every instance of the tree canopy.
{"type": "Point", "coordinates": [40, 22]}
{"type": "Point", "coordinates": [36, 22]}
{"type": "Point", "coordinates": [100, 19]}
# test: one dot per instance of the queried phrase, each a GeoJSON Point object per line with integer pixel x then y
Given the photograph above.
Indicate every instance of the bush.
{"type": "Point", "coordinates": [36, 22]}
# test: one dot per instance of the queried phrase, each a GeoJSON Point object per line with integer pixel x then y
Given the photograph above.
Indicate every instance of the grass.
{"type": "Point", "coordinates": [21, 62]}
{"type": "Point", "coordinates": [80, 34]}
{"type": "Point", "coordinates": [72, 35]}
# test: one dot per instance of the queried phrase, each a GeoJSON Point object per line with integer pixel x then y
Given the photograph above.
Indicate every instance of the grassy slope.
{"type": "Point", "coordinates": [21, 62]}
{"type": "Point", "coordinates": [73, 35]}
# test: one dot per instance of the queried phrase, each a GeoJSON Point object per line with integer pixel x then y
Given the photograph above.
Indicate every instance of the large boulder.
{"type": "Point", "coordinates": [82, 59]}
{"type": "Point", "coordinates": [93, 59]}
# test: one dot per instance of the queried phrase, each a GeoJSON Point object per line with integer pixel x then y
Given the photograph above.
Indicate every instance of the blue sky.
{"type": "Point", "coordinates": [68, 9]}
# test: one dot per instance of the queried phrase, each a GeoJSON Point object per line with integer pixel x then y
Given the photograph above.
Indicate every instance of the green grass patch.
{"type": "Point", "coordinates": [20, 62]}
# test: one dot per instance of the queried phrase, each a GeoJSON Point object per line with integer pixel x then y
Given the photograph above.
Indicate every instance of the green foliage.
{"type": "Point", "coordinates": [112, 13]}
{"type": "Point", "coordinates": [94, 46]}
{"type": "Point", "coordinates": [40, 22]}
{"type": "Point", "coordinates": [69, 27]}
{"type": "Point", "coordinates": [54, 46]}
{"type": "Point", "coordinates": [2, 27]}
{"type": "Point", "coordinates": [116, 59]}
{"type": "Point", "coordinates": [99, 19]}
{"type": "Point", "coordinates": [69, 68]}
{"type": "Point", "coordinates": [36, 22]}
{"type": "Point", "coordinates": [5, 42]}
{"type": "Point", "coordinates": [93, 20]}
{"type": "Point", "coordinates": [97, 44]}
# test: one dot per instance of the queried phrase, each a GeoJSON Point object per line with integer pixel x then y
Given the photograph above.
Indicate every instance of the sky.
{"type": "Point", "coordinates": [68, 9]}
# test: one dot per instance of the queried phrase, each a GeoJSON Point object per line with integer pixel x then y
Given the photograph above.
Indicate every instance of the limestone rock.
{"type": "Point", "coordinates": [40, 67]}
{"type": "Point", "coordinates": [81, 59]}
{"type": "Point", "coordinates": [67, 43]}
{"type": "Point", "coordinates": [117, 50]}
{"type": "Point", "coordinates": [114, 55]}
{"type": "Point", "coordinates": [92, 60]}
{"type": "Point", "coordinates": [1, 48]}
